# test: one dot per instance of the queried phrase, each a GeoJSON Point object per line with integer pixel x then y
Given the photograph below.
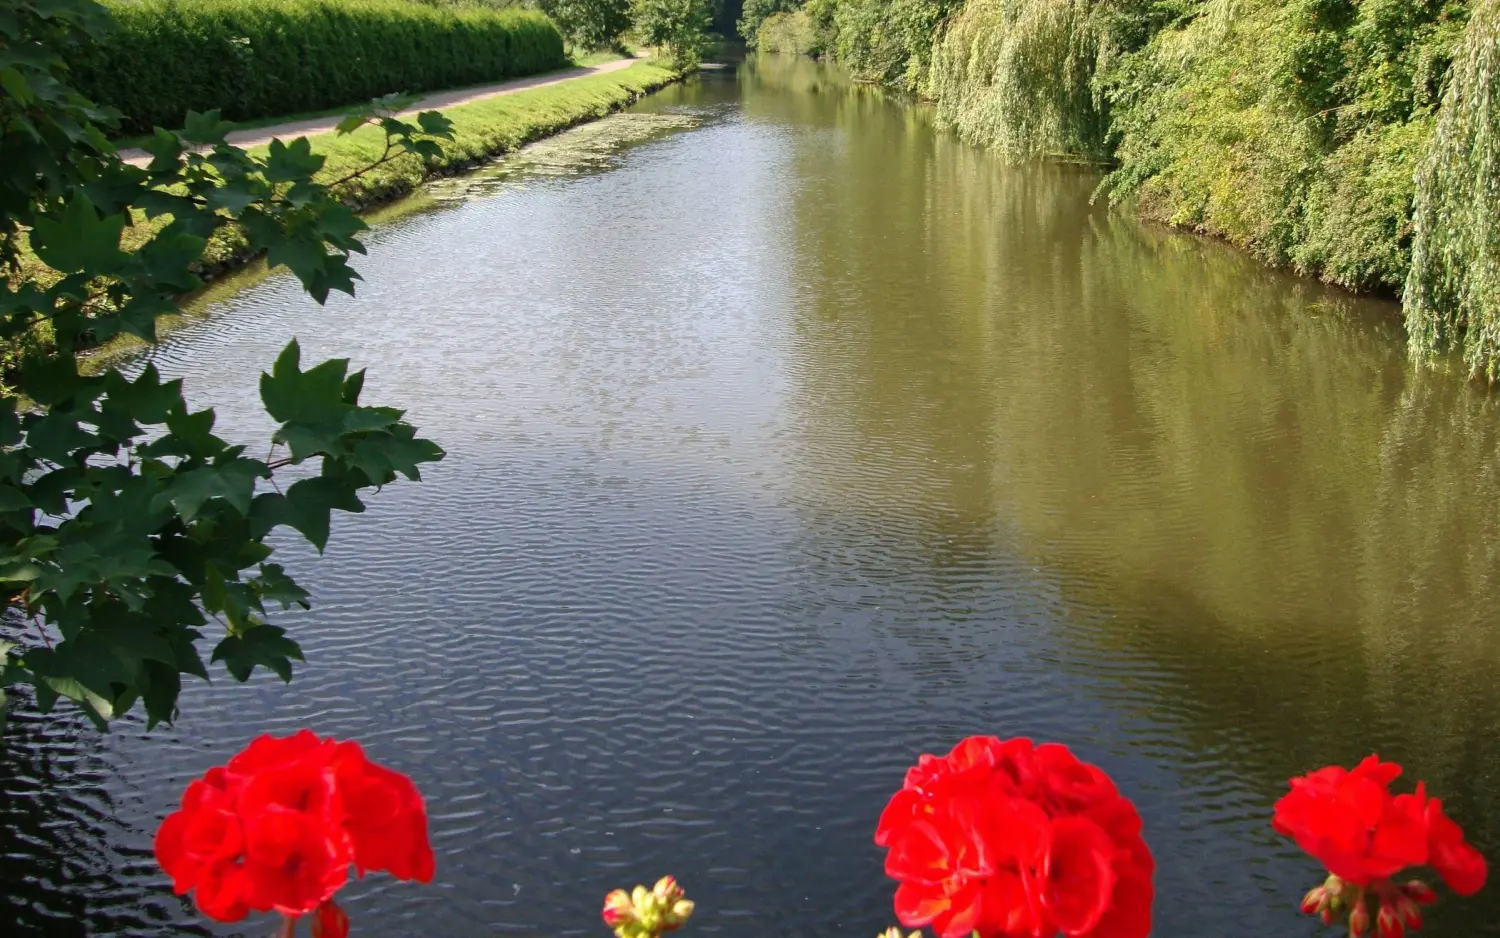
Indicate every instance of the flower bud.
{"type": "Point", "coordinates": [1420, 892]}
{"type": "Point", "coordinates": [1359, 919]}
{"type": "Point", "coordinates": [1408, 911]}
{"type": "Point", "coordinates": [894, 932]}
{"type": "Point", "coordinates": [1314, 901]}
{"type": "Point", "coordinates": [1326, 916]}
{"type": "Point", "coordinates": [1388, 923]}
{"type": "Point", "coordinates": [647, 914]}
{"type": "Point", "coordinates": [618, 909]}
{"type": "Point", "coordinates": [666, 890]}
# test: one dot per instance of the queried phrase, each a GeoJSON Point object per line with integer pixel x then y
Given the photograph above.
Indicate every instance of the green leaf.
{"type": "Point", "coordinates": [15, 84]}
{"type": "Point", "coordinates": [307, 507]}
{"type": "Point", "coordinates": [290, 162]}
{"type": "Point", "coordinates": [13, 499]}
{"type": "Point", "coordinates": [233, 481]}
{"type": "Point", "coordinates": [79, 240]}
{"type": "Point", "coordinates": [265, 645]}
{"type": "Point", "coordinates": [313, 396]}
{"type": "Point", "coordinates": [57, 435]}
{"type": "Point", "coordinates": [353, 122]}
{"type": "Point", "coordinates": [147, 399]}
{"type": "Point", "coordinates": [205, 128]}
{"type": "Point", "coordinates": [273, 584]}
{"type": "Point", "coordinates": [436, 124]}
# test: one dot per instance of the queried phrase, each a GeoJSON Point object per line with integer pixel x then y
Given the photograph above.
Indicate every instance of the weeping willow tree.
{"type": "Point", "coordinates": [1453, 289]}
{"type": "Point", "coordinates": [1018, 75]}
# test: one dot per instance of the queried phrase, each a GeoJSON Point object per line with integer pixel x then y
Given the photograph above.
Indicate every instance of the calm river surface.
{"type": "Point", "coordinates": [787, 440]}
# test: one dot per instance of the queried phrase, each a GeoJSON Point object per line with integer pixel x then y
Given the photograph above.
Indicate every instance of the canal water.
{"type": "Point", "coordinates": [790, 438]}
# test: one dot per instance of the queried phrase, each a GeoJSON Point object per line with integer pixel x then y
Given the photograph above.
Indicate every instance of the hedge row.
{"type": "Point", "coordinates": [267, 58]}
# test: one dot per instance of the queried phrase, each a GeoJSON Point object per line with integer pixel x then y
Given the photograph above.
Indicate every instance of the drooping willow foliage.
{"type": "Point", "coordinates": [1018, 75]}
{"type": "Point", "coordinates": [1453, 290]}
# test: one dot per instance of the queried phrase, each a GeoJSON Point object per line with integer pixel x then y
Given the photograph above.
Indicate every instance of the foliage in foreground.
{"type": "Point", "coordinates": [160, 59]}
{"type": "Point", "coordinates": [128, 528]}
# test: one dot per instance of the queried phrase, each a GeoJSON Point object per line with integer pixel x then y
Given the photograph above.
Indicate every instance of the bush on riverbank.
{"type": "Point", "coordinates": [792, 33]}
{"type": "Point", "coordinates": [265, 58]}
{"type": "Point", "coordinates": [1294, 129]}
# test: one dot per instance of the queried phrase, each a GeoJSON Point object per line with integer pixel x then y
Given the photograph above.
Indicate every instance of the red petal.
{"type": "Point", "coordinates": [917, 904]}
{"type": "Point", "coordinates": [1079, 875]}
{"type": "Point", "coordinates": [900, 811]}
{"type": "Point", "coordinates": [1129, 913]}
{"type": "Point", "coordinates": [172, 855]}
{"type": "Point", "coordinates": [1462, 867]}
{"type": "Point", "coordinates": [222, 892]}
{"type": "Point", "coordinates": [919, 854]}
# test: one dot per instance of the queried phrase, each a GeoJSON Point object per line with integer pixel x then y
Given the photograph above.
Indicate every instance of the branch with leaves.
{"type": "Point", "coordinates": [128, 529]}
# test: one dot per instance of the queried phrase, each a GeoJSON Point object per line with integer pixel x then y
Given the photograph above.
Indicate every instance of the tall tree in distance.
{"type": "Point", "coordinates": [590, 24]}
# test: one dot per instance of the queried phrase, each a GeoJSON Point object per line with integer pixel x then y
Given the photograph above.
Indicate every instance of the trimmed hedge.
{"type": "Point", "coordinates": [267, 58]}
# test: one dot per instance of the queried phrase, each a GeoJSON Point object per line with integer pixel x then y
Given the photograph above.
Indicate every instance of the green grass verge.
{"type": "Point", "coordinates": [591, 60]}
{"type": "Point", "coordinates": [482, 130]}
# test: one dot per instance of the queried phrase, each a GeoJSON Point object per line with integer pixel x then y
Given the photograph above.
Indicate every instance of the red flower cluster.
{"type": "Point", "coordinates": [277, 828]}
{"type": "Point", "coordinates": [1352, 823]}
{"type": "Point", "coordinates": [1005, 838]}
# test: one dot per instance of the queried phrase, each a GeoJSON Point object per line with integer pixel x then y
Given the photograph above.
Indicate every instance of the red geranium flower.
{"type": "Point", "coordinates": [278, 826]}
{"type": "Point", "coordinates": [1005, 838]}
{"type": "Point", "coordinates": [1351, 822]}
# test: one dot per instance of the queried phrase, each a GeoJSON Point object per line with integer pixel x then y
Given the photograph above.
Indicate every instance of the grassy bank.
{"type": "Point", "coordinates": [252, 59]}
{"type": "Point", "coordinates": [1336, 138]}
{"type": "Point", "coordinates": [485, 129]}
{"type": "Point", "coordinates": [482, 130]}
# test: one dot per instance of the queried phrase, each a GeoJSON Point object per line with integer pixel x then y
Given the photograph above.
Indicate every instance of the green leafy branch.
{"type": "Point", "coordinates": [127, 527]}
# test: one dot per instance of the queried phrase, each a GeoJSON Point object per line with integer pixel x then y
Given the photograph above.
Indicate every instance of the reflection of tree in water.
{"type": "Point", "coordinates": [1239, 469]}
{"type": "Point", "coordinates": [65, 856]}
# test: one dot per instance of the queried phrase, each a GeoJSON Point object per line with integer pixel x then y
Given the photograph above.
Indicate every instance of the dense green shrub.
{"type": "Point", "coordinates": [889, 41]}
{"type": "Point", "coordinates": [1292, 128]}
{"type": "Point", "coordinates": [756, 12]}
{"type": "Point", "coordinates": [265, 58]}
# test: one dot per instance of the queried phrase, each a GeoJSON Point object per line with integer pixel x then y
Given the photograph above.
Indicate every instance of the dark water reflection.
{"type": "Point", "coordinates": [793, 439]}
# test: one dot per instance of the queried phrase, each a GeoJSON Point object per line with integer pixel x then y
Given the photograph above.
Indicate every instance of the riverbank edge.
{"type": "Point", "coordinates": [589, 98]}
{"type": "Point", "coordinates": [481, 135]}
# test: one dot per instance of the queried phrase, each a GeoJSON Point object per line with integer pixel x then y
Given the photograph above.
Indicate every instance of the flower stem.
{"type": "Point", "coordinates": [288, 927]}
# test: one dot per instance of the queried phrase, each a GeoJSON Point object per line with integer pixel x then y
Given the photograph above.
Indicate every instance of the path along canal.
{"type": "Point", "coordinates": [791, 440]}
